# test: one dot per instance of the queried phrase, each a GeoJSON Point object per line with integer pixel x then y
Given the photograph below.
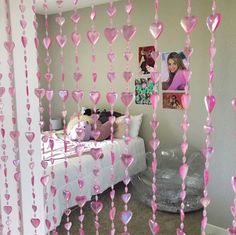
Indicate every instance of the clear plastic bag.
{"type": "Point", "coordinates": [169, 182]}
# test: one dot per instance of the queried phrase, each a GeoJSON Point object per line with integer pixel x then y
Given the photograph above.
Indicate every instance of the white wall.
{"type": "Point", "coordinates": [223, 161]}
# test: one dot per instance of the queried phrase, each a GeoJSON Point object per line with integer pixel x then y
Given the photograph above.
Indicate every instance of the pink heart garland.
{"type": "Point", "coordinates": [213, 21]}
{"type": "Point", "coordinates": [128, 32]}
{"type": "Point", "coordinates": [233, 102]}
{"type": "Point", "coordinates": [75, 17]}
{"type": "Point", "coordinates": [9, 46]}
{"type": "Point", "coordinates": [64, 95]}
{"type": "Point", "coordinates": [125, 216]}
{"type": "Point", "coordinates": [156, 29]}
{"type": "Point", "coordinates": [30, 136]}
{"type": "Point", "coordinates": [93, 36]}
{"type": "Point", "coordinates": [60, 20]}
{"type": "Point", "coordinates": [24, 41]}
{"type": "Point", "coordinates": [185, 100]}
{"type": "Point", "coordinates": [127, 159]}
{"type": "Point", "coordinates": [111, 10]}
{"type": "Point", "coordinates": [189, 23]}
{"type": "Point", "coordinates": [39, 92]}
{"type": "Point", "coordinates": [127, 75]}
{"type": "Point", "coordinates": [2, 91]}
{"type": "Point", "coordinates": [111, 56]}
{"type": "Point", "coordinates": [111, 76]}
{"type": "Point", "coordinates": [154, 227]}
{"type": "Point", "coordinates": [7, 209]}
{"type": "Point", "coordinates": [23, 24]}
{"type": "Point", "coordinates": [183, 171]}
{"type": "Point", "coordinates": [111, 34]}
{"type": "Point", "coordinates": [35, 222]}
{"type": "Point", "coordinates": [96, 206]}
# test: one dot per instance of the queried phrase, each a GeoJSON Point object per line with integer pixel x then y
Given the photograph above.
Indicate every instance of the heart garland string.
{"type": "Point", "coordinates": [213, 21]}
{"type": "Point", "coordinates": [127, 98]}
{"type": "Point", "coordinates": [156, 30]}
{"type": "Point", "coordinates": [94, 95]}
{"type": "Point", "coordinates": [188, 24]}
{"type": "Point", "coordinates": [47, 139]}
{"type": "Point", "coordinates": [77, 95]}
{"type": "Point", "coordinates": [7, 207]}
{"type": "Point", "coordinates": [40, 93]}
{"type": "Point", "coordinates": [232, 230]}
{"type": "Point", "coordinates": [61, 40]}
{"type": "Point", "coordinates": [111, 34]}
{"type": "Point", "coordinates": [29, 134]}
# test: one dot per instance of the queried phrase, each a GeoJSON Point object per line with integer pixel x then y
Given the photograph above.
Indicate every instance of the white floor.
{"type": "Point", "coordinates": [214, 230]}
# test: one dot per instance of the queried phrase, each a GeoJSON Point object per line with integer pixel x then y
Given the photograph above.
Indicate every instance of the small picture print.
{"type": "Point", "coordinates": [172, 71]}
{"type": "Point", "coordinates": [146, 62]}
{"type": "Point", "coordinates": [172, 100]}
{"type": "Point", "coordinates": [144, 88]}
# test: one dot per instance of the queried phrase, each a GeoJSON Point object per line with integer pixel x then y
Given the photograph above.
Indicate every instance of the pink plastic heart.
{"type": "Point", "coordinates": [112, 97]}
{"type": "Point", "coordinates": [127, 159]}
{"type": "Point", "coordinates": [154, 100]}
{"type": "Point", "coordinates": [111, 10]}
{"type": "Point", "coordinates": [210, 102]}
{"type": "Point", "coordinates": [61, 40]}
{"type": "Point", "coordinates": [35, 222]}
{"type": "Point", "coordinates": [39, 92]}
{"type": "Point", "coordinates": [111, 34]}
{"type": "Point", "coordinates": [77, 95]}
{"type": "Point", "coordinates": [94, 96]}
{"type": "Point", "coordinates": [111, 76]}
{"type": "Point", "coordinates": [96, 153]}
{"type": "Point", "coordinates": [154, 227]}
{"type": "Point", "coordinates": [9, 45]}
{"type": "Point", "coordinates": [233, 102]}
{"type": "Point", "coordinates": [75, 17]}
{"type": "Point", "coordinates": [81, 200]}
{"type": "Point", "coordinates": [128, 55]}
{"type": "Point", "coordinates": [93, 36]}
{"type": "Point", "coordinates": [128, 32]}
{"type": "Point", "coordinates": [213, 21]}
{"type": "Point", "coordinates": [189, 23]}
{"type": "Point", "coordinates": [24, 41]}
{"type": "Point", "coordinates": [156, 29]}
{"type": "Point", "coordinates": [75, 38]}
{"type": "Point", "coordinates": [180, 232]}
{"type": "Point", "coordinates": [127, 75]}
{"type": "Point", "coordinates": [47, 42]}
{"type": "Point", "coordinates": [127, 98]}
{"type": "Point", "coordinates": [125, 216]}
{"type": "Point", "coordinates": [96, 206]}
{"type": "Point", "coordinates": [64, 95]}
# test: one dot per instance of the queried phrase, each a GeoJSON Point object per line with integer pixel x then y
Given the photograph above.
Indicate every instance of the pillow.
{"type": "Point", "coordinates": [105, 130]}
{"type": "Point", "coordinates": [83, 125]}
{"type": "Point", "coordinates": [74, 120]}
{"type": "Point", "coordinates": [134, 126]}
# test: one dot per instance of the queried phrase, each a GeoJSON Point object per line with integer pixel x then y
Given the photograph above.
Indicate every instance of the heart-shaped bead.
{"type": "Point", "coordinates": [93, 36]}
{"type": "Point", "coordinates": [111, 56]}
{"type": "Point", "coordinates": [126, 197]}
{"type": "Point", "coordinates": [184, 147]}
{"type": "Point", "coordinates": [81, 200]}
{"type": "Point", "coordinates": [39, 92]}
{"type": "Point", "coordinates": [96, 206]}
{"type": "Point", "coordinates": [35, 222]}
{"type": "Point", "coordinates": [189, 23]}
{"type": "Point", "coordinates": [111, 76]}
{"type": "Point", "coordinates": [155, 55]}
{"type": "Point", "coordinates": [11, 91]}
{"type": "Point", "coordinates": [7, 209]}
{"type": "Point", "coordinates": [96, 153]}
{"type": "Point", "coordinates": [112, 213]}
{"type": "Point", "coordinates": [64, 95]}
{"type": "Point", "coordinates": [94, 96]}
{"type": "Point", "coordinates": [44, 180]}
{"type": "Point", "coordinates": [127, 159]}
{"type": "Point", "coordinates": [205, 201]}
{"type": "Point", "coordinates": [112, 97]}
{"type": "Point", "coordinates": [30, 136]}
{"type": "Point", "coordinates": [154, 143]}
{"type": "Point", "coordinates": [61, 40]}
{"type": "Point", "coordinates": [77, 95]}
{"type": "Point", "coordinates": [60, 20]}
{"type": "Point", "coordinates": [23, 24]}
{"type": "Point", "coordinates": [127, 75]}
{"type": "Point", "coordinates": [9, 46]}
{"type": "Point", "coordinates": [156, 29]}
{"type": "Point", "coordinates": [111, 34]}
{"type": "Point", "coordinates": [75, 38]}
{"type": "Point", "coordinates": [24, 41]}
{"type": "Point", "coordinates": [111, 10]}
{"type": "Point", "coordinates": [125, 216]}
{"type": "Point", "coordinates": [128, 32]}
{"type": "Point", "coordinates": [129, 8]}
{"type": "Point", "coordinates": [213, 21]}
{"type": "Point", "coordinates": [128, 55]}
{"type": "Point", "coordinates": [75, 17]}
{"type": "Point", "coordinates": [231, 231]}
{"type": "Point", "coordinates": [206, 177]}
{"type": "Point", "coordinates": [210, 102]}
{"type": "Point", "coordinates": [2, 91]}
{"type": "Point", "coordinates": [154, 227]}
{"type": "Point", "coordinates": [47, 42]}
{"type": "Point", "coordinates": [180, 232]}
{"type": "Point", "coordinates": [67, 195]}
{"type": "Point", "coordinates": [68, 226]}
{"type": "Point", "coordinates": [77, 76]}
{"type": "Point", "coordinates": [127, 98]}
{"type": "Point", "coordinates": [154, 100]}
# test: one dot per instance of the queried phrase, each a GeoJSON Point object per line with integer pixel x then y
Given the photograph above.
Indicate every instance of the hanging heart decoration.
{"type": "Point", "coordinates": [213, 22]}
{"type": "Point", "coordinates": [189, 23]}
{"type": "Point", "coordinates": [156, 29]}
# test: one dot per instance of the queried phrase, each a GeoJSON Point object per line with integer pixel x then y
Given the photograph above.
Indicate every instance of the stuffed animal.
{"type": "Point", "coordinates": [81, 130]}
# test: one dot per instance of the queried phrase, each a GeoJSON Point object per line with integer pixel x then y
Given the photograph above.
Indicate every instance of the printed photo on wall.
{"type": "Point", "coordinates": [144, 88]}
{"type": "Point", "coordinates": [146, 62]}
{"type": "Point", "coordinates": [172, 100]}
{"type": "Point", "coordinates": [172, 71]}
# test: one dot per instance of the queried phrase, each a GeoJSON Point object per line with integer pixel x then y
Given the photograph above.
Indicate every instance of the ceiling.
{"type": "Point", "coordinates": [67, 5]}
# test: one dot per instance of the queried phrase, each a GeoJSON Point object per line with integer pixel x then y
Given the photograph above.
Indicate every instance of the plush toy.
{"type": "Point", "coordinates": [81, 129]}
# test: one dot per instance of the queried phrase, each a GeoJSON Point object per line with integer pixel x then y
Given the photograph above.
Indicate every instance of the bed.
{"type": "Point", "coordinates": [136, 148]}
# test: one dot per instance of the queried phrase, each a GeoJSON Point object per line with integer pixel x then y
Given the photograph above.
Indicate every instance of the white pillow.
{"type": "Point", "coordinates": [135, 125]}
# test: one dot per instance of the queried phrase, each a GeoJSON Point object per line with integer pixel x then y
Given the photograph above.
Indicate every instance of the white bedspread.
{"type": "Point", "coordinates": [136, 148]}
